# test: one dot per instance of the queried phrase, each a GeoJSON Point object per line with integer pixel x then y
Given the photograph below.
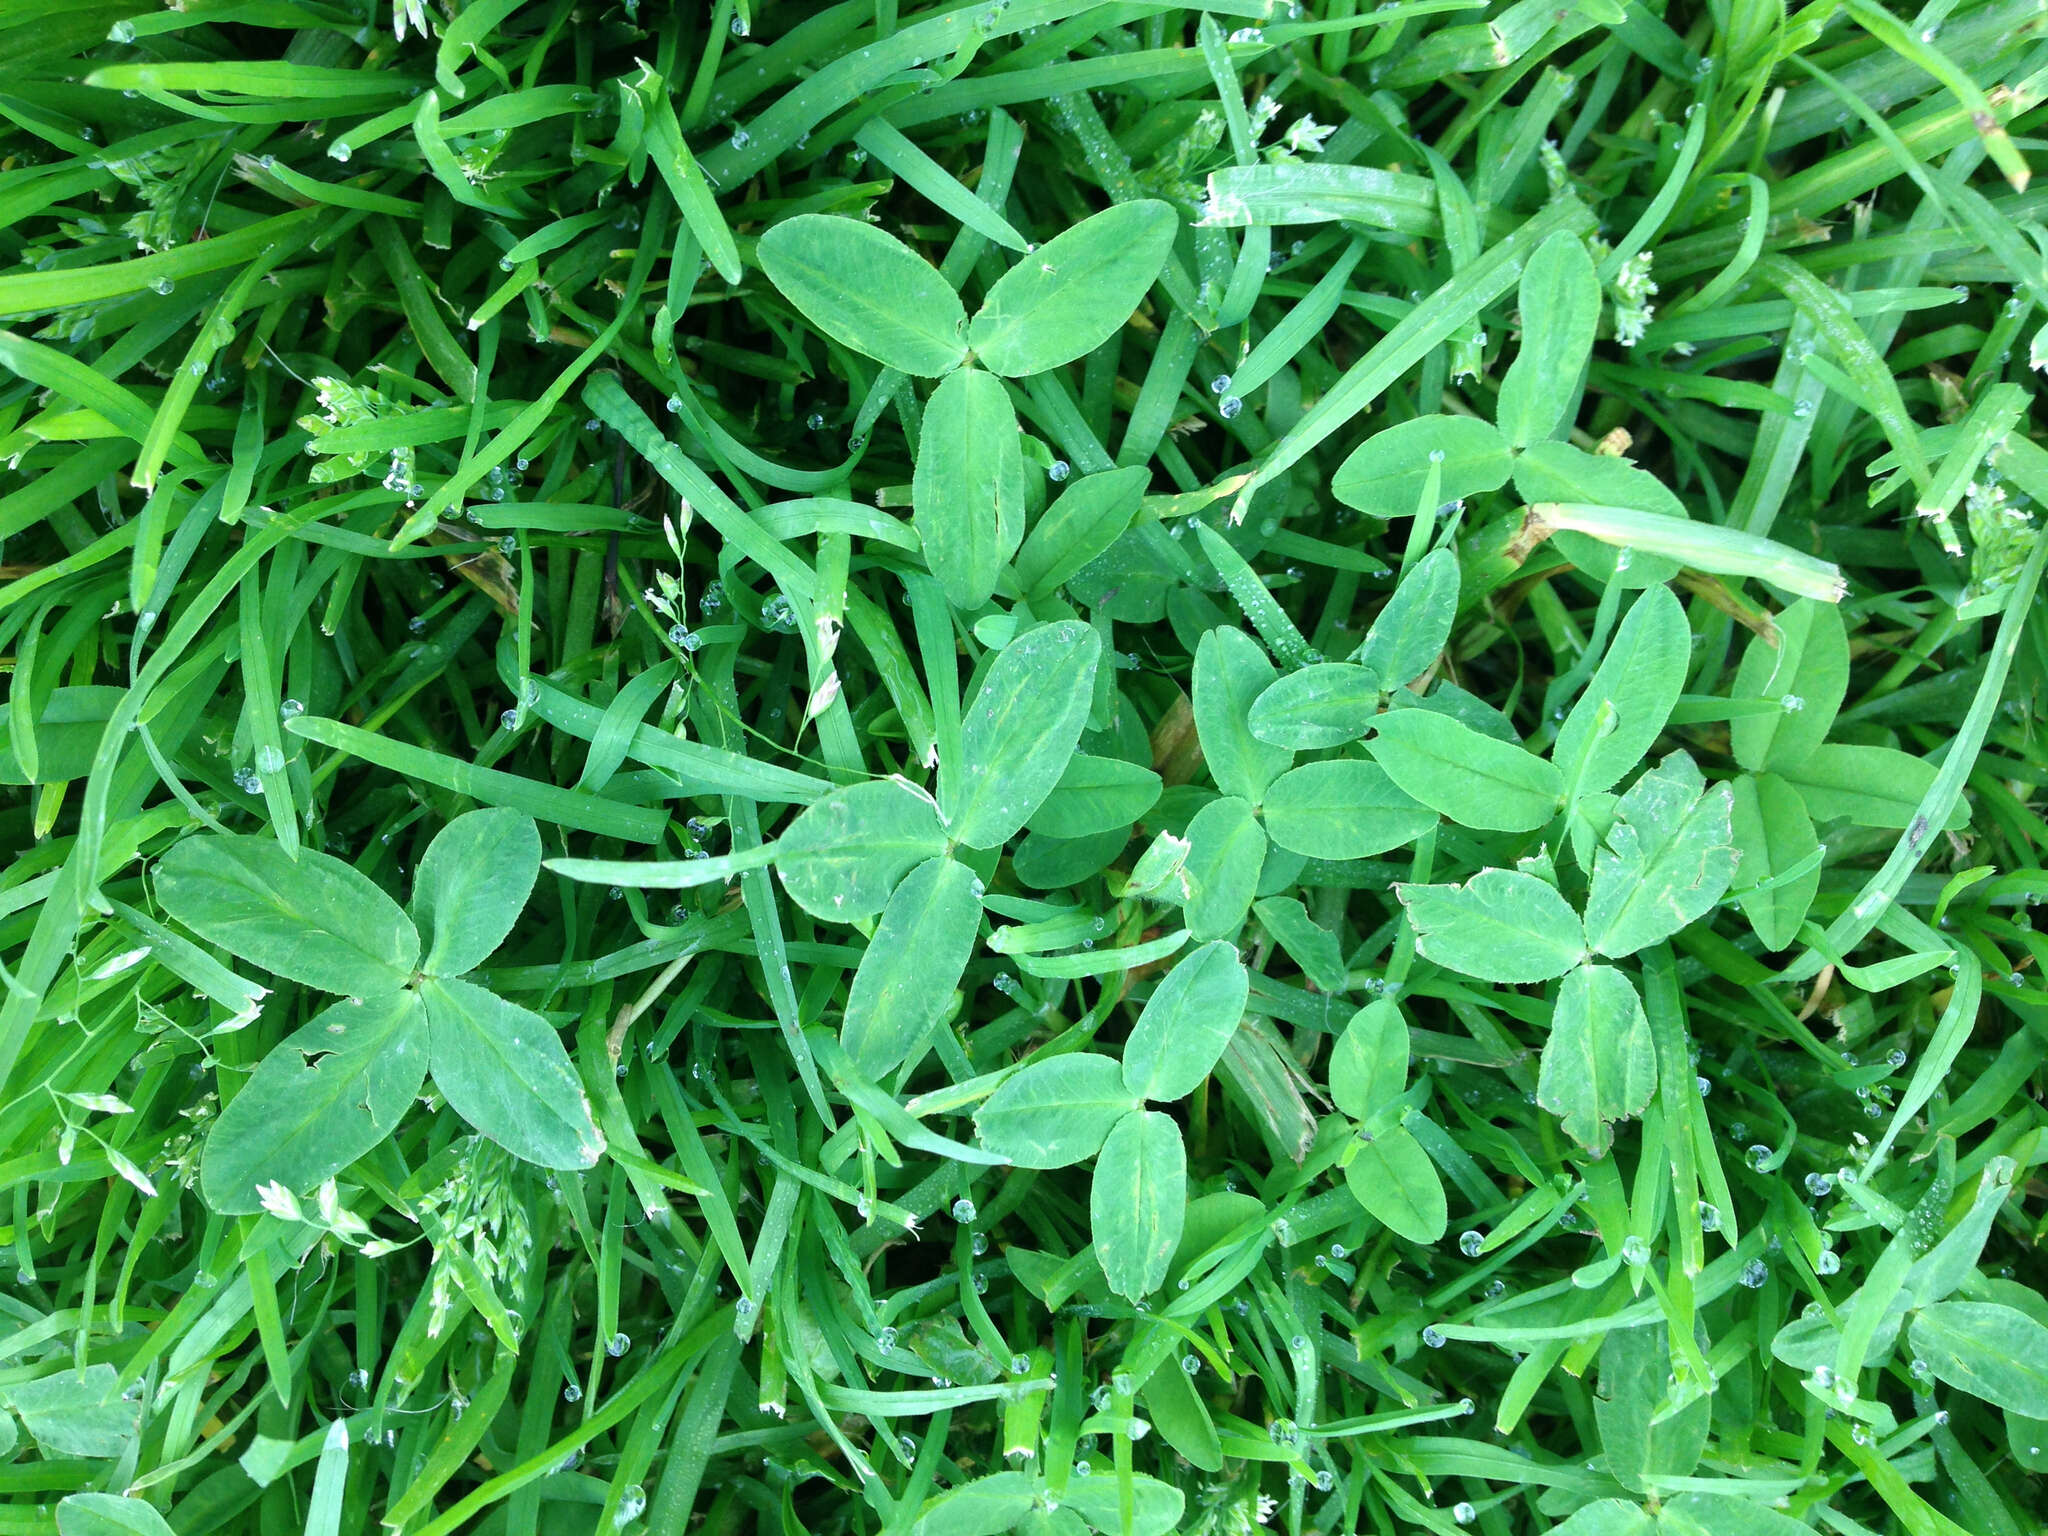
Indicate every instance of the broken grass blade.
{"type": "Point", "coordinates": [1702, 546]}
{"type": "Point", "coordinates": [1244, 196]}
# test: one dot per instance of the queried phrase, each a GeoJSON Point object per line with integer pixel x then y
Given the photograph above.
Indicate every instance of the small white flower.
{"type": "Point", "coordinates": [279, 1201]}
{"type": "Point", "coordinates": [1633, 281]}
{"type": "Point", "coordinates": [1633, 311]}
{"type": "Point", "coordinates": [1305, 135]}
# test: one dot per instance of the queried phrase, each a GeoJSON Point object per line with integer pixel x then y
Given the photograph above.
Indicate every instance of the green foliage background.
{"type": "Point", "coordinates": [1029, 766]}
